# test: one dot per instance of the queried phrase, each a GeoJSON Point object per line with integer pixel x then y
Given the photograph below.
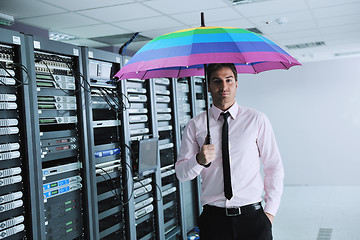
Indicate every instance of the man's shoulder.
{"type": "Point", "coordinates": [250, 111]}
{"type": "Point", "coordinates": [196, 122]}
{"type": "Point", "coordinates": [199, 117]}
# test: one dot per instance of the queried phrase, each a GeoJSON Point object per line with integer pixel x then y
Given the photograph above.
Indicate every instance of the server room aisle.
{"type": "Point", "coordinates": [318, 213]}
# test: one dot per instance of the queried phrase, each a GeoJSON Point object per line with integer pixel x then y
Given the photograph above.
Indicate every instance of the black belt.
{"type": "Point", "coordinates": [234, 211]}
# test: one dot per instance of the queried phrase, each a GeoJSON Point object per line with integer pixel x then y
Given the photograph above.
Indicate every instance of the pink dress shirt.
{"type": "Point", "coordinates": [251, 138]}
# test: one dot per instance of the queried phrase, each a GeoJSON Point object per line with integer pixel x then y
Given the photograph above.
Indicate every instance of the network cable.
{"type": "Point", "coordinates": [21, 83]}
{"type": "Point", "coordinates": [53, 78]}
{"type": "Point", "coordinates": [112, 188]}
{"type": "Point", "coordinates": [132, 157]}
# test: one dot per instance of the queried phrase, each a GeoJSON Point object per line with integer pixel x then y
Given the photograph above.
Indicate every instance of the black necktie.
{"type": "Point", "coordinates": [225, 154]}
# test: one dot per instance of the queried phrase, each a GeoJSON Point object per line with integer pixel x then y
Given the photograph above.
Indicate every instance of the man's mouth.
{"type": "Point", "coordinates": [224, 93]}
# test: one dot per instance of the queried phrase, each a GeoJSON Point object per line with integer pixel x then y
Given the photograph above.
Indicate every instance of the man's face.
{"type": "Point", "coordinates": [223, 86]}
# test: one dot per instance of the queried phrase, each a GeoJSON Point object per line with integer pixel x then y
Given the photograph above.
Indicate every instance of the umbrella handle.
{"type": "Point", "coordinates": [208, 141]}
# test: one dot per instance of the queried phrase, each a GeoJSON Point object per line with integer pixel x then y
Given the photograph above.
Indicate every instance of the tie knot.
{"type": "Point", "coordinates": [225, 114]}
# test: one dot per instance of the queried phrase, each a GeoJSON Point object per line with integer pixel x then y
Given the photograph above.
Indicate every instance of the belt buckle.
{"type": "Point", "coordinates": [230, 214]}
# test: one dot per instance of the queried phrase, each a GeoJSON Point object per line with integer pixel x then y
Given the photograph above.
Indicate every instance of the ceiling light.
{"type": "Point", "coordinates": [346, 53]}
{"type": "Point", "coordinates": [305, 45]}
{"type": "Point", "coordinates": [60, 36]}
{"type": "Point", "coordinates": [6, 19]}
{"type": "Point", "coordinates": [237, 2]}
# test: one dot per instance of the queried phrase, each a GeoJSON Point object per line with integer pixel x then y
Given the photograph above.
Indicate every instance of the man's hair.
{"type": "Point", "coordinates": [213, 67]}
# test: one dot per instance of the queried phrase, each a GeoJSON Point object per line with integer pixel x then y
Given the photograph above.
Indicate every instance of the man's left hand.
{"type": "Point", "coordinates": [271, 217]}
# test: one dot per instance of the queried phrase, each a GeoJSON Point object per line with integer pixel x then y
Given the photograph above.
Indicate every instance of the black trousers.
{"type": "Point", "coordinates": [215, 225]}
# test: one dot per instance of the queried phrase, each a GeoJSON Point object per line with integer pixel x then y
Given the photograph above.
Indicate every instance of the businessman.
{"type": "Point", "coordinates": [232, 183]}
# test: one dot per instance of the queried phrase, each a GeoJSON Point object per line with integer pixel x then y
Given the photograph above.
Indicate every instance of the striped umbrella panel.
{"type": "Point", "coordinates": [197, 46]}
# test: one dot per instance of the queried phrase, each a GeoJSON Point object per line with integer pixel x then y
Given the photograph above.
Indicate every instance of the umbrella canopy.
{"type": "Point", "coordinates": [184, 53]}
{"type": "Point", "coordinates": [187, 52]}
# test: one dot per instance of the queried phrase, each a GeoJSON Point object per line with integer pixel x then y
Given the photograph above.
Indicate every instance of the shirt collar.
{"type": "Point", "coordinates": [233, 110]}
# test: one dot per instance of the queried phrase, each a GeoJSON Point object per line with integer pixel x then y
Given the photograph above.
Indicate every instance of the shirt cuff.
{"type": "Point", "coordinates": [271, 208]}
{"type": "Point", "coordinates": [193, 164]}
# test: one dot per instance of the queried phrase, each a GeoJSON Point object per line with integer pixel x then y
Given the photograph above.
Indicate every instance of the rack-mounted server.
{"type": "Point", "coordinates": [166, 116]}
{"type": "Point", "coordinates": [15, 213]}
{"type": "Point", "coordinates": [64, 127]}
{"type": "Point", "coordinates": [189, 92]}
{"type": "Point", "coordinates": [104, 114]}
{"type": "Point", "coordinates": [139, 115]}
{"type": "Point", "coordinates": [57, 109]}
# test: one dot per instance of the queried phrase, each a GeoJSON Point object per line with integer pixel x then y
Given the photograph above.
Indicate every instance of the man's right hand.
{"type": "Point", "coordinates": [206, 155]}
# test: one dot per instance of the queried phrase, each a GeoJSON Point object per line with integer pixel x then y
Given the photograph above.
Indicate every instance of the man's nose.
{"type": "Point", "coordinates": [223, 84]}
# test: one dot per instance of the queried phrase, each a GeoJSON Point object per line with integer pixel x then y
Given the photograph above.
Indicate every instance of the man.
{"type": "Point", "coordinates": [232, 184]}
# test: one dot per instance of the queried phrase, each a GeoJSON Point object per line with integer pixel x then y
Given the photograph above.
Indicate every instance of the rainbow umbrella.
{"type": "Point", "coordinates": [186, 53]}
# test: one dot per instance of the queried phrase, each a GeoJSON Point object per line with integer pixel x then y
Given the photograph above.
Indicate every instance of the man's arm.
{"type": "Point", "coordinates": [187, 167]}
{"type": "Point", "coordinates": [273, 168]}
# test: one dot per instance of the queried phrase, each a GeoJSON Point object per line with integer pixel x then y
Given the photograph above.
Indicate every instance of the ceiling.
{"type": "Point", "coordinates": [286, 22]}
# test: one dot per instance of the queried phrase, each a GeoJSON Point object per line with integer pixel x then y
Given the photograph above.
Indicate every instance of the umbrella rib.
{"type": "Point", "coordinates": [191, 47]}
{"type": "Point", "coordinates": [271, 45]}
{"type": "Point", "coordinates": [245, 61]}
{"type": "Point", "coordinates": [284, 65]}
{"type": "Point", "coordinates": [144, 74]}
{"type": "Point", "coordinates": [252, 65]}
{"type": "Point", "coordinates": [178, 72]}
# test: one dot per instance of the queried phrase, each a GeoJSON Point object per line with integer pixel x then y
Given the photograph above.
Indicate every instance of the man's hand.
{"type": "Point", "coordinates": [271, 217]}
{"type": "Point", "coordinates": [206, 155]}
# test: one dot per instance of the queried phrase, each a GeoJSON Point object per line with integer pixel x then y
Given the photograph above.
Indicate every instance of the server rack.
{"type": "Point", "coordinates": [184, 102]}
{"type": "Point", "coordinates": [76, 148]}
{"type": "Point", "coordinates": [59, 140]}
{"type": "Point", "coordinates": [104, 114]}
{"type": "Point", "coordinates": [199, 106]}
{"type": "Point", "coordinates": [15, 198]}
{"type": "Point", "coordinates": [187, 90]}
{"type": "Point", "coordinates": [197, 84]}
{"type": "Point", "coordinates": [166, 116]}
{"type": "Point", "coordinates": [145, 200]}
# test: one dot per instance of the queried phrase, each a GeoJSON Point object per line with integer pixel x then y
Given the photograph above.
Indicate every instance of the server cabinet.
{"type": "Point", "coordinates": [68, 146]}
{"type": "Point", "coordinates": [184, 102]}
{"type": "Point", "coordinates": [16, 164]}
{"type": "Point", "coordinates": [59, 140]}
{"type": "Point", "coordinates": [104, 113]}
{"type": "Point", "coordinates": [167, 121]}
{"type": "Point", "coordinates": [188, 92]}
{"type": "Point", "coordinates": [198, 106]}
{"type": "Point", "coordinates": [198, 94]}
{"type": "Point", "coordinates": [144, 208]}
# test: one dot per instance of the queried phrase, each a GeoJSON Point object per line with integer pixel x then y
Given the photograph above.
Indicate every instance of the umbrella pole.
{"type": "Point", "coordinates": [208, 137]}
{"type": "Point", "coordinates": [202, 19]}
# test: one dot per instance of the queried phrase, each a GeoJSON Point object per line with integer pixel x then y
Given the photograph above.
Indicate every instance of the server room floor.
{"type": "Point", "coordinates": [318, 213]}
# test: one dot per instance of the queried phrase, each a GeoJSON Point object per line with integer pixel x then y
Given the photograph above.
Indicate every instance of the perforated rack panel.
{"type": "Point", "coordinates": [14, 179]}
{"type": "Point", "coordinates": [166, 127]}
{"type": "Point", "coordinates": [140, 124]}
{"type": "Point", "coordinates": [104, 113]}
{"type": "Point", "coordinates": [58, 136]}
